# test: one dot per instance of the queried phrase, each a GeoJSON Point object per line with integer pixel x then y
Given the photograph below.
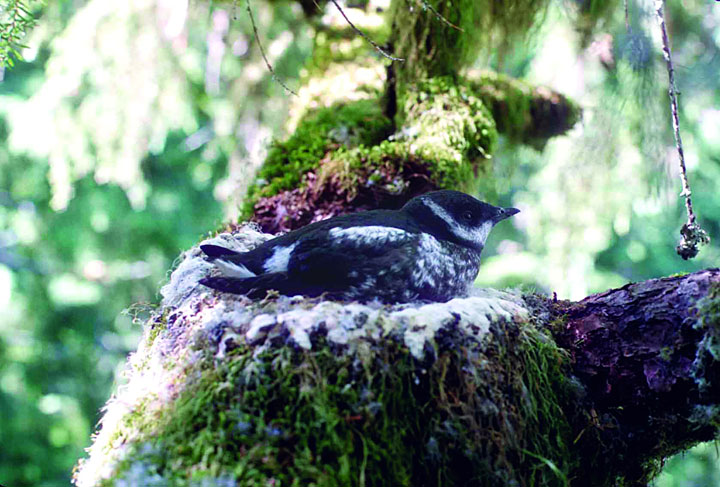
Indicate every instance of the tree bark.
{"type": "Point", "coordinates": [493, 389]}
{"type": "Point", "coordinates": [647, 355]}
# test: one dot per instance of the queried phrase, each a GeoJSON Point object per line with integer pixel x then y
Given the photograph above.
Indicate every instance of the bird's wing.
{"type": "Point", "coordinates": [320, 262]}
{"type": "Point", "coordinates": [216, 251]}
{"type": "Point", "coordinates": [348, 255]}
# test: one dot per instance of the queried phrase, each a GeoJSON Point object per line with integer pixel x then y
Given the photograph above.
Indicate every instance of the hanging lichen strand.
{"type": "Point", "coordinates": [692, 234]}
{"type": "Point", "coordinates": [439, 37]}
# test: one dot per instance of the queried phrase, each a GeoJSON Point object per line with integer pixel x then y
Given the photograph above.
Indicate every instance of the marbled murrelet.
{"type": "Point", "coordinates": [428, 250]}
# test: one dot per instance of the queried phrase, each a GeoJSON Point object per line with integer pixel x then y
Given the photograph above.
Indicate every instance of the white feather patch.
{"type": "Point", "coordinates": [369, 233]}
{"type": "Point", "coordinates": [476, 235]}
{"type": "Point", "coordinates": [230, 269]}
{"type": "Point", "coordinates": [280, 259]}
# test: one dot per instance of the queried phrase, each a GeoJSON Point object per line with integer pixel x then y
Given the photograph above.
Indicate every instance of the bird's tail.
{"type": "Point", "coordinates": [254, 287]}
{"type": "Point", "coordinates": [227, 261]}
{"type": "Point", "coordinates": [216, 251]}
{"type": "Point", "coordinates": [228, 284]}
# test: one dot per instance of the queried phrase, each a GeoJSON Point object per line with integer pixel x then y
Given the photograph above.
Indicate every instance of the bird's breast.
{"type": "Point", "coordinates": [443, 268]}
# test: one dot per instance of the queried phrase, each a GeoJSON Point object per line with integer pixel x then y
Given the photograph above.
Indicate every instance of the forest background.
{"type": "Point", "coordinates": [130, 130]}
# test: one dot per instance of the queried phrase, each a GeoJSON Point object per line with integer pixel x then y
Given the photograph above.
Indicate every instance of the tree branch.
{"type": "Point", "coordinates": [475, 389]}
{"type": "Point", "coordinates": [647, 354]}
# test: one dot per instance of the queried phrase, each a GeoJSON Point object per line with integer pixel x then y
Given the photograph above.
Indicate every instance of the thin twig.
{"type": "Point", "coordinates": [439, 15]}
{"type": "Point", "coordinates": [362, 34]}
{"type": "Point", "coordinates": [262, 51]}
{"type": "Point", "coordinates": [627, 17]}
{"type": "Point", "coordinates": [672, 92]}
{"type": "Point", "coordinates": [691, 232]}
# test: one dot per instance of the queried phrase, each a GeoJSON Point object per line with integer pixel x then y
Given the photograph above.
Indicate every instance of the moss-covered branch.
{"type": "Point", "coordinates": [350, 156]}
{"type": "Point", "coordinates": [493, 389]}
{"type": "Point", "coordinates": [523, 112]}
{"type": "Point", "coordinates": [648, 355]}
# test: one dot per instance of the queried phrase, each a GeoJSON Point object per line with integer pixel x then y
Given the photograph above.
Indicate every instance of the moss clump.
{"type": "Point", "coordinates": [374, 418]}
{"type": "Point", "coordinates": [523, 112]}
{"type": "Point", "coordinates": [509, 99]}
{"type": "Point", "coordinates": [348, 124]}
{"type": "Point", "coordinates": [445, 141]}
{"type": "Point", "coordinates": [447, 133]}
{"type": "Point", "coordinates": [449, 125]}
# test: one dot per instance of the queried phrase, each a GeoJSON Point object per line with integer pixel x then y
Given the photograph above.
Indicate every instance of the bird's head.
{"type": "Point", "coordinates": [456, 217]}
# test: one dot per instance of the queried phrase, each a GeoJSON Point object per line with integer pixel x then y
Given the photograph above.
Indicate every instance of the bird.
{"type": "Point", "coordinates": [428, 250]}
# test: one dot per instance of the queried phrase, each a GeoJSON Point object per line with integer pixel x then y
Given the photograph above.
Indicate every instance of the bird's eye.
{"type": "Point", "coordinates": [467, 216]}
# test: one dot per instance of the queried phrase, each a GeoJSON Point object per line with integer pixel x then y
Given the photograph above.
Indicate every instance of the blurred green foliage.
{"type": "Point", "coordinates": [110, 164]}
{"type": "Point", "coordinates": [697, 468]}
{"type": "Point", "coordinates": [130, 130]}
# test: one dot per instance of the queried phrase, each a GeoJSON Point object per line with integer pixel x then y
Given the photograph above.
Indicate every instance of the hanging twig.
{"type": "Point", "coordinates": [262, 51]}
{"type": "Point", "coordinates": [426, 5]}
{"type": "Point", "coordinates": [362, 34]}
{"type": "Point", "coordinates": [627, 17]}
{"type": "Point", "coordinates": [692, 234]}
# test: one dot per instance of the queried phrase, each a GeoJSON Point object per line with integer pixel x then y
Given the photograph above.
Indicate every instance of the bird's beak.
{"type": "Point", "coordinates": [505, 213]}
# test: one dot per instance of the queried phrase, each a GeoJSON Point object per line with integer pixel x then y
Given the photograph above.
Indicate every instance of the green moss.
{"type": "Point", "coordinates": [447, 133]}
{"type": "Point", "coordinates": [157, 326]}
{"type": "Point", "coordinates": [548, 453]}
{"type": "Point", "coordinates": [377, 418]}
{"type": "Point", "coordinates": [344, 124]}
{"type": "Point", "coordinates": [451, 126]}
{"type": "Point", "coordinates": [523, 112]}
{"type": "Point", "coordinates": [509, 98]}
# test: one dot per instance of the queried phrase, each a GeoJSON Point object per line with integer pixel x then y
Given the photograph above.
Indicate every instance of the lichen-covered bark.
{"type": "Point", "coordinates": [490, 389]}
